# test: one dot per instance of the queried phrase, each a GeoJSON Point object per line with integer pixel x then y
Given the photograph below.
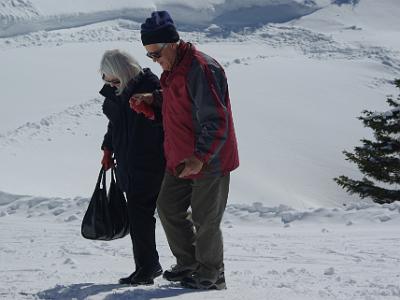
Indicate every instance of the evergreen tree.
{"type": "Point", "coordinates": [379, 159]}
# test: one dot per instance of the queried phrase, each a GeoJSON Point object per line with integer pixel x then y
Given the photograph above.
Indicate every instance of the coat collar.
{"type": "Point", "coordinates": [108, 91]}
{"type": "Point", "coordinates": [185, 53]}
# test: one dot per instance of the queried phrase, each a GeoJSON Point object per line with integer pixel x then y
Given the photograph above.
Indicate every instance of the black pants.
{"type": "Point", "coordinates": [141, 197]}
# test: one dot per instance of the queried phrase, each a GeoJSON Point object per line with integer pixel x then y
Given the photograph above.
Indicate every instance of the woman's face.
{"type": "Point", "coordinates": [111, 80]}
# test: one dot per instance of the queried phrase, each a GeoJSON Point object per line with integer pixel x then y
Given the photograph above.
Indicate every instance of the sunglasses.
{"type": "Point", "coordinates": [156, 54]}
{"type": "Point", "coordinates": [114, 81]}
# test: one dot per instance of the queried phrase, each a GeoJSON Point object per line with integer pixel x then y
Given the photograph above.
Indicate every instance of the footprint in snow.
{"type": "Point", "coordinates": [70, 262]}
{"type": "Point", "coordinates": [71, 218]}
{"type": "Point", "coordinates": [58, 212]}
{"type": "Point", "coordinates": [329, 271]}
{"type": "Point", "coordinates": [384, 218]}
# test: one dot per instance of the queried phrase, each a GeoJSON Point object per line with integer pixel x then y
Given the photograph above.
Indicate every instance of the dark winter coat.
{"type": "Point", "coordinates": [197, 114]}
{"type": "Point", "coordinates": [137, 142]}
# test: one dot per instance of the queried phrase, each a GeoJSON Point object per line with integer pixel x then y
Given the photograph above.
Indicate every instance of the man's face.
{"type": "Point", "coordinates": [164, 54]}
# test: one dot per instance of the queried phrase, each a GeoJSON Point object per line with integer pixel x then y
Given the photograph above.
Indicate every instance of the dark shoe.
{"type": "Point", "coordinates": [146, 276]}
{"type": "Point", "coordinates": [196, 282]}
{"type": "Point", "coordinates": [127, 280]}
{"type": "Point", "coordinates": [177, 273]}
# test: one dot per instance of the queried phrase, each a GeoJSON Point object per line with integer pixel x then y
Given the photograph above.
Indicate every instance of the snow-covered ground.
{"type": "Point", "coordinates": [296, 88]}
{"type": "Point", "coordinates": [270, 253]}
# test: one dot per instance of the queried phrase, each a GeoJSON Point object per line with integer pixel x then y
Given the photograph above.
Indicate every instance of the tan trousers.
{"type": "Point", "coordinates": [195, 237]}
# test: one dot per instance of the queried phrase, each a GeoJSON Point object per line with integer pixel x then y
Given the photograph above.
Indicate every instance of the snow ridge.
{"type": "Point", "coordinates": [21, 17]}
{"type": "Point", "coordinates": [69, 21]}
{"type": "Point", "coordinates": [341, 2]}
{"type": "Point", "coordinates": [13, 12]}
{"type": "Point", "coordinates": [72, 209]}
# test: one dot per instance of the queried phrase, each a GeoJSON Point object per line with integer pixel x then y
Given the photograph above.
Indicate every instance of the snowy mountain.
{"type": "Point", "coordinates": [300, 72]}
{"type": "Point", "coordinates": [23, 16]}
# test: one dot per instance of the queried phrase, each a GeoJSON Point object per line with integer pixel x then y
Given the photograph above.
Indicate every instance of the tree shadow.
{"type": "Point", "coordinates": [82, 291]}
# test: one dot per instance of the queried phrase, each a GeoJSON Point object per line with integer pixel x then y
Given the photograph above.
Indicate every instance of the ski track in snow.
{"type": "Point", "coordinates": [64, 122]}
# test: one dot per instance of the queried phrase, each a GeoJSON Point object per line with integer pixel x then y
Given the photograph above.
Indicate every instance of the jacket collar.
{"type": "Point", "coordinates": [183, 61]}
{"type": "Point", "coordinates": [183, 52]}
{"type": "Point", "coordinates": [108, 91]}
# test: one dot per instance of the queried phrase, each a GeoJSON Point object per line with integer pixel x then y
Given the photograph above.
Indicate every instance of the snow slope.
{"type": "Point", "coordinates": [299, 78]}
{"type": "Point", "coordinates": [369, 22]}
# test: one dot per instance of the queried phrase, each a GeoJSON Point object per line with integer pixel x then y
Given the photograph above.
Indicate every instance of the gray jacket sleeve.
{"type": "Point", "coordinates": [210, 115]}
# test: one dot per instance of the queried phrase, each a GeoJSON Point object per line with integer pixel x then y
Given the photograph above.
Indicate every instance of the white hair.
{"type": "Point", "coordinates": [119, 64]}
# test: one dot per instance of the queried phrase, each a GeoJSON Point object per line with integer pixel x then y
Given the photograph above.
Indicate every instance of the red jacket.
{"type": "Point", "coordinates": [197, 114]}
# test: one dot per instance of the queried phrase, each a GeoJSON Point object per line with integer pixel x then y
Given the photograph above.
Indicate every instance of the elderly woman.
{"type": "Point", "coordinates": [135, 140]}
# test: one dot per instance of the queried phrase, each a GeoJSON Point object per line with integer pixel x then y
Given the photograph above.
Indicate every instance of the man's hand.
{"type": "Point", "coordinates": [192, 166]}
{"type": "Point", "coordinates": [143, 97]}
{"type": "Point", "coordinates": [140, 103]}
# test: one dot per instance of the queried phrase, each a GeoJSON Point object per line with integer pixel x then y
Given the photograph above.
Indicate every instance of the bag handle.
{"type": "Point", "coordinates": [101, 178]}
{"type": "Point", "coordinates": [113, 176]}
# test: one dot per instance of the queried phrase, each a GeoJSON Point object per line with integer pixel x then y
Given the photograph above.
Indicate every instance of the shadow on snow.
{"type": "Point", "coordinates": [81, 291]}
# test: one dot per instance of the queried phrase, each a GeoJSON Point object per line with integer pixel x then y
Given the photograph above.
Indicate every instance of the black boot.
{"type": "Point", "coordinates": [195, 281]}
{"type": "Point", "coordinates": [177, 273]}
{"type": "Point", "coordinates": [145, 276]}
{"type": "Point", "coordinates": [127, 280]}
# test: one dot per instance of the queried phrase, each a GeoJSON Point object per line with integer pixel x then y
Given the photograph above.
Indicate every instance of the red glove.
{"type": "Point", "coordinates": [107, 160]}
{"type": "Point", "coordinates": [142, 107]}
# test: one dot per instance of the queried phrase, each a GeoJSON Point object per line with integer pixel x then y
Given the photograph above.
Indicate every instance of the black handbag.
{"type": "Point", "coordinates": [107, 215]}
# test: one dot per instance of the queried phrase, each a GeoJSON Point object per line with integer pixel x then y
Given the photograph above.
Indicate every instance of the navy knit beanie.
{"type": "Point", "coordinates": [159, 28]}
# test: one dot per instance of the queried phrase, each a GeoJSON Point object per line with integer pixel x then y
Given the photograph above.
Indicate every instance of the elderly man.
{"type": "Point", "coordinates": [201, 151]}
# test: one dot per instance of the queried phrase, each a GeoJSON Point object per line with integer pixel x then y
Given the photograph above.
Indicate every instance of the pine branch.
{"type": "Point", "coordinates": [367, 188]}
{"type": "Point", "coordinates": [385, 169]}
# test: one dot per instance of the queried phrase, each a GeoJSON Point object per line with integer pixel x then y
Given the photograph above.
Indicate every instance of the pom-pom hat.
{"type": "Point", "coordinates": [159, 28]}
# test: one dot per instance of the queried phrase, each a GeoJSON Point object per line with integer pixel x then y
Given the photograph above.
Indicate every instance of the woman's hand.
{"type": "Point", "coordinates": [140, 103]}
{"type": "Point", "coordinates": [107, 160]}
